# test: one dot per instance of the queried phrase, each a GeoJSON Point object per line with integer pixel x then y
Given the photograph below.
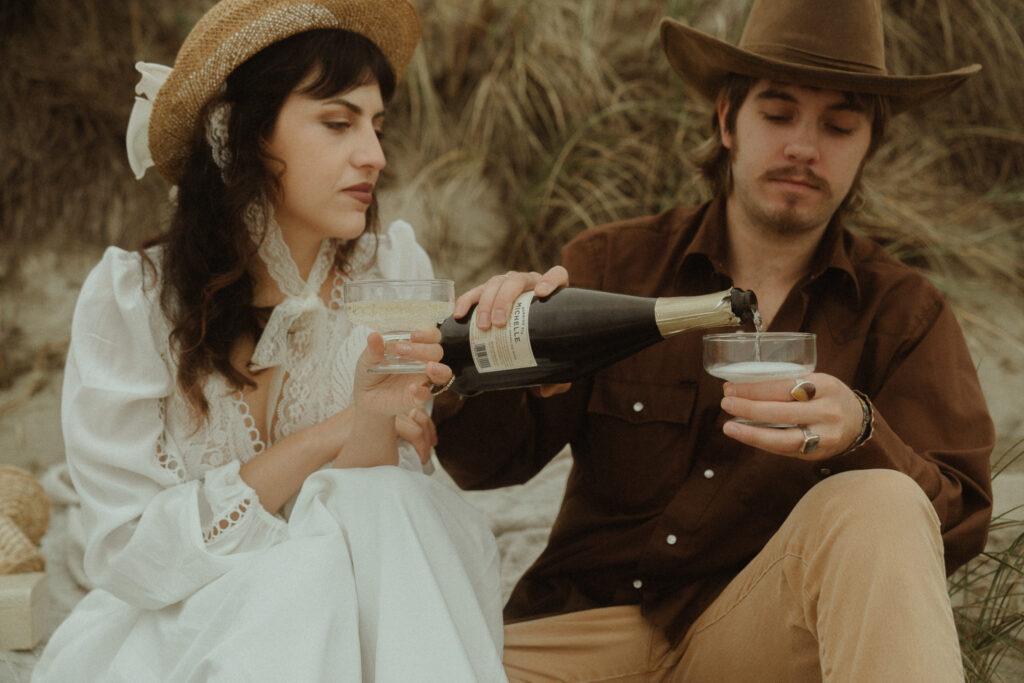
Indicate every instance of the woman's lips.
{"type": "Point", "coordinates": [363, 192]}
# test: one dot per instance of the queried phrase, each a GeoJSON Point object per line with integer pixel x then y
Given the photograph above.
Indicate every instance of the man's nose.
{"type": "Point", "coordinates": [802, 146]}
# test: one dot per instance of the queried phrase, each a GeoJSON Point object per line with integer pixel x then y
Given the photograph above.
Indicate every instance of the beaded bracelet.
{"type": "Point", "coordinates": [867, 421]}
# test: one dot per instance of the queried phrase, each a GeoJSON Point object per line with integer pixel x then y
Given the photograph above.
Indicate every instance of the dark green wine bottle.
{"type": "Point", "coordinates": [575, 332]}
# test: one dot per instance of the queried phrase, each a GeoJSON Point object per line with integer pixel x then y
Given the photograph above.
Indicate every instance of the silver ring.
{"type": "Point", "coordinates": [803, 390]}
{"type": "Point", "coordinates": [436, 389]}
{"type": "Point", "coordinates": [810, 443]}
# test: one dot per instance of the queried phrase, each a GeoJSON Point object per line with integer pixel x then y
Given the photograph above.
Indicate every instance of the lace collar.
{"type": "Point", "coordinates": [302, 309]}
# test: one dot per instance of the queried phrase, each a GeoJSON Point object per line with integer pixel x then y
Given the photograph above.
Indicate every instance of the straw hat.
{"type": "Point", "coordinates": [234, 30]}
{"type": "Point", "coordinates": [24, 516]}
{"type": "Point", "coordinates": [839, 45]}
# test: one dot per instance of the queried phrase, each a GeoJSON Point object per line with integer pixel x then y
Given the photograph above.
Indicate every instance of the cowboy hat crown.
{"type": "Point", "coordinates": [839, 45]}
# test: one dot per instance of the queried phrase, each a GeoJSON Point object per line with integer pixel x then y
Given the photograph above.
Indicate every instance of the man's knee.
{"type": "Point", "coordinates": [884, 503]}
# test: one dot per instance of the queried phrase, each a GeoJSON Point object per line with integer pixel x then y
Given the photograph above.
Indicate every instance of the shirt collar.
{"type": "Point", "coordinates": [831, 261]}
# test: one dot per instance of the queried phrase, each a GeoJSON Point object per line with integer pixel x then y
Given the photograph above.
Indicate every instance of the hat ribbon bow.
{"type": "Point", "coordinates": [137, 138]}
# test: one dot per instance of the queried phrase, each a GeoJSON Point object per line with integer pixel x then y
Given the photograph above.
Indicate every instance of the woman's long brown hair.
{"type": "Point", "coordinates": [206, 289]}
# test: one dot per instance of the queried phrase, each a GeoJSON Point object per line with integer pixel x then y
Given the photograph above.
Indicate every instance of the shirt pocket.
{"type": "Point", "coordinates": [641, 402]}
{"type": "Point", "coordinates": [638, 435]}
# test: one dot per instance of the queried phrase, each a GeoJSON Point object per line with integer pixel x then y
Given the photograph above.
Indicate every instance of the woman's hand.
{"type": "Point", "coordinates": [418, 429]}
{"type": "Point", "coordinates": [828, 409]}
{"type": "Point", "coordinates": [397, 394]}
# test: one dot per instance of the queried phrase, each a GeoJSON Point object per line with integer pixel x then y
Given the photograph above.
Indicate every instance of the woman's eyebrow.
{"type": "Point", "coordinates": [353, 107]}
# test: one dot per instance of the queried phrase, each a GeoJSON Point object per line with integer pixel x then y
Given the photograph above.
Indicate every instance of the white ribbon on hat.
{"type": "Point", "coordinates": [137, 138]}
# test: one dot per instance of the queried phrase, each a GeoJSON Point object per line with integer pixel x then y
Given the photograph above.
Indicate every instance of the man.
{"type": "Point", "coordinates": [690, 547]}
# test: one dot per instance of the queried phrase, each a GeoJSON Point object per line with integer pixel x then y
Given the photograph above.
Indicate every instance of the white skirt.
{"type": "Point", "coordinates": [385, 575]}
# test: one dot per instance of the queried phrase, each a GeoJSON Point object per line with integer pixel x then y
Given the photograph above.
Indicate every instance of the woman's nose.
{"type": "Point", "coordinates": [370, 152]}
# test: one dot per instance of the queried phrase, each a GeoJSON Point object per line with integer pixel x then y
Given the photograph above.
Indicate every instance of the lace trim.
{"type": "Point", "coordinates": [228, 521]}
{"type": "Point", "coordinates": [166, 460]}
{"type": "Point", "coordinates": [249, 422]}
{"type": "Point", "coordinates": [297, 325]}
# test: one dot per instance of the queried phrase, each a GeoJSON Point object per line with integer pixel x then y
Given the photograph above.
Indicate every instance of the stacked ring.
{"type": "Point", "coordinates": [436, 389]}
{"type": "Point", "coordinates": [810, 443]}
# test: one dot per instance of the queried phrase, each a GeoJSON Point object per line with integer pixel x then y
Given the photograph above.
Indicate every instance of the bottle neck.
{"type": "Point", "coordinates": [680, 313]}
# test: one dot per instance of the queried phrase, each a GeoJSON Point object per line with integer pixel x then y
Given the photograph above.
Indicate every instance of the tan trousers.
{"type": "Point", "coordinates": [851, 588]}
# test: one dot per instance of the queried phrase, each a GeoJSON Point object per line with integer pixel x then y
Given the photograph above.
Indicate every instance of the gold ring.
{"type": "Point", "coordinates": [803, 390]}
{"type": "Point", "coordinates": [436, 389]}
{"type": "Point", "coordinates": [810, 443]}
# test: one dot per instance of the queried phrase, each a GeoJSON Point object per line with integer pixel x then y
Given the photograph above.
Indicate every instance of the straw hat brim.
{"type": "Point", "coordinates": [234, 30]}
{"type": "Point", "coordinates": [705, 62]}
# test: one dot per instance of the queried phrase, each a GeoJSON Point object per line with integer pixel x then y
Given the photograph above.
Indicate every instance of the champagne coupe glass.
{"type": "Point", "coordinates": [745, 357]}
{"type": "Point", "coordinates": [395, 308]}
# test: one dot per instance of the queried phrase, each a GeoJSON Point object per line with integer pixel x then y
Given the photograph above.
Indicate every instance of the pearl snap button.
{"type": "Point", "coordinates": [638, 584]}
{"type": "Point", "coordinates": [709, 473]}
{"type": "Point", "coordinates": [671, 539]}
{"type": "Point", "coordinates": [825, 471]}
{"type": "Point", "coordinates": [637, 407]}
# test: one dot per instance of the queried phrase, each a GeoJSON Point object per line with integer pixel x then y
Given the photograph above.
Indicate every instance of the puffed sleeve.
{"type": "Point", "coordinates": [144, 525]}
{"type": "Point", "coordinates": [399, 255]}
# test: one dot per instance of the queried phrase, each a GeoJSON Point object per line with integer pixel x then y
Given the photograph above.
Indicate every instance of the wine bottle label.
{"type": "Point", "coordinates": [508, 347]}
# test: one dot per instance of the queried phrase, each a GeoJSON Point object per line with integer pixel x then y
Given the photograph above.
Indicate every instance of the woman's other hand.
{"type": "Point", "coordinates": [418, 429]}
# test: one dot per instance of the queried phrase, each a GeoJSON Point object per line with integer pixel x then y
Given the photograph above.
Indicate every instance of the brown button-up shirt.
{"type": "Point", "coordinates": [662, 509]}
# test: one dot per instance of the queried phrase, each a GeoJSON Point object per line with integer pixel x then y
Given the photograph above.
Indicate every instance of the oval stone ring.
{"type": "Point", "coordinates": [803, 390]}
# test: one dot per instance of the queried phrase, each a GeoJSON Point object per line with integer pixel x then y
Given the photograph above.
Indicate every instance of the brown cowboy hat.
{"type": "Point", "coordinates": [838, 44]}
{"type": "Point", "coordinates": [234, 30]}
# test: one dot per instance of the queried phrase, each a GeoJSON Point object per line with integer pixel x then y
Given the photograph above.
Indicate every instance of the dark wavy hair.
{"type": "Point", "coordinates": [713, 159]}
{"type": "Point", "coordinates": [207, 290]}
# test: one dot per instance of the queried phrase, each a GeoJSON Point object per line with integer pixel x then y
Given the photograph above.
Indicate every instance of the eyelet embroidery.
{"type": "Point", "coordinates": [249, 422]}
{"type": "Point", "coordinates": [229, 521]}
{"type": "Point", "coordinates": [165, 459]}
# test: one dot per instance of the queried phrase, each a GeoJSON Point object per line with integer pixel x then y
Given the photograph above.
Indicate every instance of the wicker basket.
{"type": "Point", "coordinates": [24, 516]}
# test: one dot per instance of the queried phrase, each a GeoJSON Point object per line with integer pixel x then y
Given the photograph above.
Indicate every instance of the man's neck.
{"type": "Point", "coordinates": [766, 261]}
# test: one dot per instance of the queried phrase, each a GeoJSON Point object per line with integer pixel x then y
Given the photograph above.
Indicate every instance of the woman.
{"type": "Point", "coordinates": [253, 497]}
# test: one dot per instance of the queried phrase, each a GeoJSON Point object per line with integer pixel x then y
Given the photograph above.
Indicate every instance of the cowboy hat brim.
{"type": "Point", "coordinates": [705, 62]}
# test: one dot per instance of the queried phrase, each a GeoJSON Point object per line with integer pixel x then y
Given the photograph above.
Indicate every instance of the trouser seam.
{"type": "Point", "coordinates": [752, 585]}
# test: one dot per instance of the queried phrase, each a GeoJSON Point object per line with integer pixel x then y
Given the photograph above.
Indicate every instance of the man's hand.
{"type": "Point", "coordinates": [495, 297]}
{"type": "Point", "coordinates": [829, 410]}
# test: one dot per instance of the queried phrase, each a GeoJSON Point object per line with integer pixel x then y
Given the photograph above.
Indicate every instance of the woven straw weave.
{"type": "Point", "coordinates": [234, 30]}
{"type": "Point", "coordinates": [24, 516]}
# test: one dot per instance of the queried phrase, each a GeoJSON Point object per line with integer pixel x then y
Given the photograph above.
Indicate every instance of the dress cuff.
{"type": "Point", "coordinates": [232, 518]}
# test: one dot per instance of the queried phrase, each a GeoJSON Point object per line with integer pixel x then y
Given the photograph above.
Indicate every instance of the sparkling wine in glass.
{"type": "Point", "coordinates": [395, 308]}
{"type": "Point", "coordinates": [745, 357]}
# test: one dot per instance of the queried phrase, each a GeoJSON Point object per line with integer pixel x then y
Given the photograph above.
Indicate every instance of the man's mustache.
{"type": "Point", "coordinates": [800, 174]}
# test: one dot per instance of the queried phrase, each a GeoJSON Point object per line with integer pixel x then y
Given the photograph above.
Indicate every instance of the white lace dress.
{"type": "Point", "coordinates": [376, 574]}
